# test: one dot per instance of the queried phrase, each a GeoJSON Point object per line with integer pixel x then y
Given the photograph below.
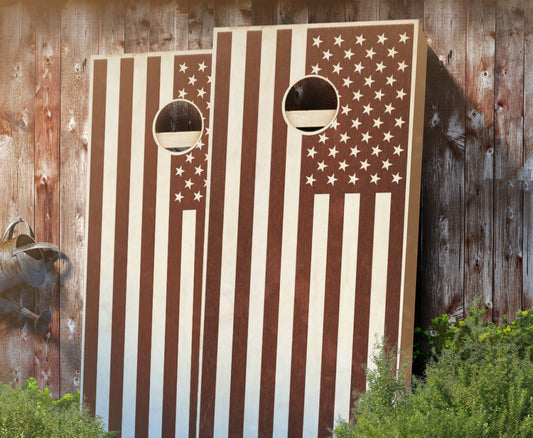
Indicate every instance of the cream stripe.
{"type": "Point", "coordinates": [260, 233]}
{"type": "Point", "coordinates": [105, 312]}
{"type": "Point", "coordinates": [134, 247]}
{"type": "Point", "coordinates": [229, 233]}
{"type": "Point", "coordinates": [315, 325]}
{"type": "Point", "coordinates": [160, 262]}
{"type": "Point", "coordinates": [288, 248]}
{"type": "Point", "coordinates": [188, 240]}
{"type": "Point", "coordinates": [350, 235]}
{"type": "Point", "coordinates": [378, 286]}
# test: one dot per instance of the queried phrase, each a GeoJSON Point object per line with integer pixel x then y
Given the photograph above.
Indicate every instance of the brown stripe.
{"type": "Point", "coordinates": [244, 238]}
{"type": "Point", "coordinates": [331, 315]}
{"type": "Point", "coordinates": [94, 237]}
{"type": "Point", "coordinates": [394, 269]}
{"type": "Point", "coordinates": [121, 243]}
{"type": "Point", "coordinates": [362, 288]}
{"type": "Point", "coordinates": [172, 315]}
{"type": "Point", "coordinates": [301, 312]}
{"type": "Point", "coordinates": [147, 250]}
{"type": "Point", "coordinates": [196, 318]}
{"type": "Point", "coordinates": [274, 234]}
{"type": "Point", "coordinates": [214, 251]}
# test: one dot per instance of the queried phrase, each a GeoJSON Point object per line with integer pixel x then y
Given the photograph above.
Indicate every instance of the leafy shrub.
{"type": "Point", "coordinates": [29, 412]}
{"type": "Point", "coordinates": [479, 384]}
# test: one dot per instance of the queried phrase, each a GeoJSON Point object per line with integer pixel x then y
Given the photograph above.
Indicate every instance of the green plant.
{"type": "Point", "coordinates": [479, 384]}
{"type": "Point", "coordinates": [29, 412]}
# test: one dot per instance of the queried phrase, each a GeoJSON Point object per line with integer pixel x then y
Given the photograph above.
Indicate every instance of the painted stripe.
{"type": "Point", "coordinates": [94, 230]}
{"type": "Point", "coordinates": [275, 224]}
{"type": "Point", "coordinates": [187, 269]}
{"type": "Point", "coordinates": [217, 154]}
{"type": "Point", "coordinates": [331, 316]}
{"type": "Point", "coordinates": [147, 250]}
{"type": "Point", "coordinates": [121, 243]}
{"type": "Point", "coordinates": [160, 261]}
{"type": "Point", "coordinates": [378, 289]}
{"type": "Point", "coordinates": [317, 292]}
{"type": "Point", "coordinates": [229, 235]}
{"type": "Point", "coordinates": [362, 298]}
{"type": "Point", "coordinates": [134, 248]}
{"type": "Point", "coordinates": [244, 239]}
{"type": "Point", "coordinates": [260, 230]}
{"type": "Point", "coordinates": [103, 366]}
{"type": "Point", "coordinates": [343, 396]}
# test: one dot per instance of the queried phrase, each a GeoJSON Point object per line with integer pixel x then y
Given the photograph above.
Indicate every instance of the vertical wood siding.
{"type": "Point", "coordinates": [476, 237]}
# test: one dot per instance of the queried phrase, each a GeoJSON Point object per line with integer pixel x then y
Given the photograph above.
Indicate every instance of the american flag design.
{"type": "Point", "coordinates": [145, 244]}
{"type": "Point", "coordinates": [311, 239]}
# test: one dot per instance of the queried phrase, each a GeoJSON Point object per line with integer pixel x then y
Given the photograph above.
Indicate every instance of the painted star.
{"type": "Point", "coordinates": [179, 171]}
{"type": "Point", "coordinates": [369, 81]}
{"type": "Point", "coordinates": [317, 41]}
{"type": "Point", "coordinates": [354, 151]}
{"type": "Point", "coordinates": [198, 170]}
{"type": "Point", "coordinates": [389, 108]}
{"type": "Point", "coordinates": [198, 196]}
{"type": "Point", "coordinates": [333, 152]}
{"type": "Point", "coordinates": [356, 123]}
{"type": "Point", "coordinates": [360, 40]}
{"type": "Point", "coordinates": [346, 109]}
{"type": "Point", "coordinates": [335, 124]}
{"type": "Point", "coordinates": [310, 179]}
{"type": "Point", "coordinates": [183, 67]}
{"type": "Point", "coordinates": [396, 178]}
{"type": "Point", "coordinates": [399, 122]}
{"type": "Point", "coordinates": [387, 136]}
{"type": "Point", "coordinates": [376, 151]}
{"type": "Point", "coordinates": [345, 137]}
{"type": "Point", "coordinates": [343, 165]}
{"type": "Point", "coordinates": [358, 67]}
{"type": "Point", "coordinates": [402, 66]}
{"type": "Point", "coordinates": [382, 38]}
{"type": "Point", "coordinates": [370, 53]}
{"type": "Point", "coordinates": [182, 94]}
{"type": "Point", "coordinates": [390, 80]}
{"type": "Point", "coordinates": [332, 179]}
{"type": "Point", "coordinates": [378, 122]}
{"type": "Point", "coordinates": [201, 92]}
{"type": "Point", "coordinates": [357, 95]}
{"type": "Point", "coordinates": [202, 66]}
{"type": "Point", "coordinates": [200, 144]}
{"type": "Point", "coordinates": [348, 53]}
{"type": "Point", "coordinates": [353, 179]}
{"type": "Point", "coordinates": [327, 54]}
{"type": "Point", "coordinates": [178, 197]}
{"type": "Point", "coordinates": [192, 80]}
{"type": "Point", "coordinates": [379, 95]}
{"type": "Point", "coordinates": [398, 150]}
{"type": "Point", "coordinates": [323, 138]}
{"type": "Point", "coordinates": [380, 66]}
{"type": "Point", "coordinates": [392, 52]}
{"type": "Point", "coordinates": [315, 69]}
{"type": "Point", "coordinates": [386, 164]}
{"type": "Point", "coordinates": [347, 81]}
{"type": "Point", "coordinates": [403, 37]}
{"type": "Point", "coordinates": [365, 165]}
{"type": "Point", "coordinates": [311, 152]}
{"type": "Point", "coordinates": [321, 166]}
{"type": "Point", "coordinates": [338, 40]}
{"type": "Point", "coordinates": [209, 79]}
{"type": "Point", "coordinates": [188, 183]}
{"type": "Point", "coordinates": [401, 94]}
{"type": "Point", "coordinates": [366, 137]}
{"type": "Point", "coordinates": [367, 109]}
{"type": "Point", "coordinates": [337, 68]}
{"type": "Point", "coordinates": [189, 157]}
{"type": "Point", "coordinates": [374, 179]}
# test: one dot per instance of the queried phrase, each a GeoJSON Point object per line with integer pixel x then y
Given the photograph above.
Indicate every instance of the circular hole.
{"type": "Point", "coordinates": [311, 104]}
{"type": "Point", "coordinates": [178, 126]}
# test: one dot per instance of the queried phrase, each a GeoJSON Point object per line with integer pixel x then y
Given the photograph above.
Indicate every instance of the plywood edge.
{"type": "Point", "coordinates": [416, 130]}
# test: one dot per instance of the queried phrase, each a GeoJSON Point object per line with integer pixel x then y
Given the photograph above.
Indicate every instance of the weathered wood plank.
{"type": "Point", "coordinates": [169, 24]}
{"type": "Point", "coordinates": [333, 11]}
{"type": "Point", "coordinates": [479, 152]}
{"type": "Point", "coordinates": [112, 27]}
{"type": "Point", "coordinates": [263, 12]}
{"type": "Point", "coordinates": [16, 170]}
{"type": "Point", "coordinates": [232, 13]}
{"type": "Point", "coordinates": [527, 174]}
{"type": "Point", "coordinates": [362, 10]}
{"type": "Point", "coordinates": [201, 22]}
{"type": "Point", "coordinates": [47, 219]}
{"type": "Point", "coordinates": [508, 156]}
{"type": "Point", "coordinates": [137, 26]}
{"type": "Point", "coordinates": [79, 40]}
{"type": "Point", "coordinates": [401, 9]}
{"type": "Point", "coordinates": [442, 212]}
{"type": "Point", "coordinates": [289, 12]}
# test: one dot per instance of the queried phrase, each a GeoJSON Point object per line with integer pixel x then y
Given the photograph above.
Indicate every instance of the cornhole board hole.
{"type": "Point", "coordinates": [313, 207]}
{"type": "Point", "coordinates": [145, 228]}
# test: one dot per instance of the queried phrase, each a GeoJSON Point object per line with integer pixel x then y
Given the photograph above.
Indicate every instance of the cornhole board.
{"type": "Point", "coordinates": [145, 228]}
{"type": "Point", "coordinates": [312, 236]}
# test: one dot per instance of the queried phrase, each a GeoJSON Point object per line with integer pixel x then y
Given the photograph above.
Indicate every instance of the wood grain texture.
{"type": "Point", "coordinates": [479, 153]}
{"type": "Point", "coordinates": [201, 22]}
{"type": "Point", "coordinates": [47, 196]}
{"type": "Point", "coordinates": [232, 13]}
{"type": "Point", "coordinates": [79, 40]}
{"type": "Point", "coordinates": [137, 26]}
{"type": "Point", "coordinates": [168, 25]}
{"type": "Point", "coordinates": [289, 12]}
{"type": "Point", "coordinates": [508, 158]}
{"type": "Point", "coordinates": [111, 28]}
{"type": "Point", "coordinates": [17, 171]}
{"type": "Point", "coordinates": [331, 12]}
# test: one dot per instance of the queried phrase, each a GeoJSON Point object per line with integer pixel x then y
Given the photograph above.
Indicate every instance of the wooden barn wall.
{"type": "Point", "coordinates": [476, 231]}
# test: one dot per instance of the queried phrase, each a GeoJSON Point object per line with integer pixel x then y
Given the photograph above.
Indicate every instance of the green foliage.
{"type": "Point", "coordinates": [29, 412]}
{"type": "Point", "coordinates": [479, 384]}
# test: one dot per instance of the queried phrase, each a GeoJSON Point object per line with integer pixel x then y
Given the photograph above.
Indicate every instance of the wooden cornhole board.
{"type": "Point", "coordinates": [312, 236]}
{"type": "Point", "coordinates": [145, 241]}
